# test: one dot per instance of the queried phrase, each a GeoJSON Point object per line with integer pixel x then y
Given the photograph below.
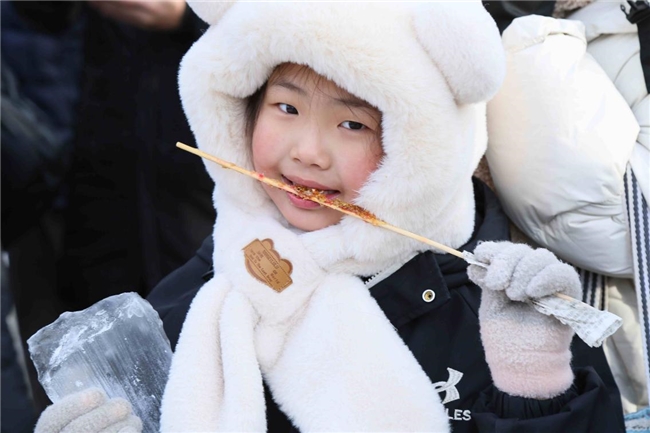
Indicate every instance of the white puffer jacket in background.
{"type": "Point", "coordinates": [572, 114]}
{"type": "Point", "coordinates": [560, 138]}
{"type": "Point", "coordinates": [614, 44]}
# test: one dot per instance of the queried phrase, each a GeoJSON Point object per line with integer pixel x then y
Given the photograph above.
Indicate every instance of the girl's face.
{"type": "Point", "coordinates": [310, 132]}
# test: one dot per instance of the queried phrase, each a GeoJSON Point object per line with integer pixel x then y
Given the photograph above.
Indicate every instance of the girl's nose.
{"type": "Point", "coordinates": [311, 149]}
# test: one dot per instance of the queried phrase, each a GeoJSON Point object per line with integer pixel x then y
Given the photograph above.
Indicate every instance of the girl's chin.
{"type": "Point", "coordinates": [313, 220]}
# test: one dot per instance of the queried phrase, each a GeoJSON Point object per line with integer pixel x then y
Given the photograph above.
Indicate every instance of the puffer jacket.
{"type": "Point", "coordinates": [614, 44]}
{"type": "Point", "coordinates": [562, 130]}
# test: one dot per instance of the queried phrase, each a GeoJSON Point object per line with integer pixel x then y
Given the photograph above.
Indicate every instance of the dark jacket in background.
{"type": "Point", "coordinates": [131, 207]}
{"type": "Point", "coordinates": [40, 90]}
{"type": "Point", "coordinates": [139, 207]}
{"type": "Point", "coordinates": [136, 207]}
{"type": "Point", "coordinates": [503, 12]}
{"type": "Point", "coordinates": [443, 335]}
{"type": "Point", "coordinates": [41, 71]}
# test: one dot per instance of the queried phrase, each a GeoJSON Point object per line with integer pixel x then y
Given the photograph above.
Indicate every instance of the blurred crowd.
{"type": "Point", "coordinates": [96, 199]}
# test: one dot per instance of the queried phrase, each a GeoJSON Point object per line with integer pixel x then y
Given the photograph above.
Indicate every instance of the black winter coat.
{"type": "Point", "coordinates": [444, 337]}
{"type": "Point", "coordinates": [40, 90]}
{"type": "Point", "coordinates": [138, 207]}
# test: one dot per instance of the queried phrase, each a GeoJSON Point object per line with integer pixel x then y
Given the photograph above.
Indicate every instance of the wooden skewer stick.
{"type": "Point", "coordinates": [567, 297]}
{"type": "Point", "coordinates": [346, 208]}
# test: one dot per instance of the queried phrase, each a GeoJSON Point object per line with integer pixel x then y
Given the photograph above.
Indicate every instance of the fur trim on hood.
{"type": "Point", "coordinates": [428, 67]}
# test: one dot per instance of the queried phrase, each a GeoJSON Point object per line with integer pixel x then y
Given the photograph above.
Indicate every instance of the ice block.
{"type": "Point", "coordinates": [117, 344]}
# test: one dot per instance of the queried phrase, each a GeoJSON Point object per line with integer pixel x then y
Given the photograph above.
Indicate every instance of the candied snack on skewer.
{"type": "Point", "coordinates": [347, 208]}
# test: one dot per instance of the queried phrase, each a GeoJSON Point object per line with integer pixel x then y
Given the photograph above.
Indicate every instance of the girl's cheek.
{"type": "Point", "coordinates": [258, 146]}
{"type": "Point", "coordinates": [268, 135]}
{"type": "Point", "coordinates": [365, 166]}
{"type": "Point", "coordinates": [262, 151]}
{"type": "Point", "coordinates": [258, 158]}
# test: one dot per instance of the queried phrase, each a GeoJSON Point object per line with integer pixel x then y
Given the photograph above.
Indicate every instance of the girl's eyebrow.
{"type": "Point", "coordinates": [348, 100]}
{"type": "Point", "coordinates": [290, 86]}
{"type": "Point", "coordinates": [352, 101]}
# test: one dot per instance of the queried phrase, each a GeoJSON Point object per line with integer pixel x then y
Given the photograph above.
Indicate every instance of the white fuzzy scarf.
{"type": "Point", "coordinates": [331, 358]}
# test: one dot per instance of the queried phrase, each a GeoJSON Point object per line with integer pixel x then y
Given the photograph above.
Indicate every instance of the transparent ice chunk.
{"type": "Point", "coordinates": [117, 344]}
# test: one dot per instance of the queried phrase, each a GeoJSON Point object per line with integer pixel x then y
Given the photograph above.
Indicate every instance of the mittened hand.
{"type": "Point", "coordinates": [527, 352]}
{"type": "Point", "coordinates": [89, 411]}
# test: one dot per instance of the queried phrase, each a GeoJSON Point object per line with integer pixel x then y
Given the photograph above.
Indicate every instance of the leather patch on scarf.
{"type": "Point", "coordinates": [265, 264]}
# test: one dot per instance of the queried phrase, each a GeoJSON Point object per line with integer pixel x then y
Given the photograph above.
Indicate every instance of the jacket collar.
{"type": "Point", "coordinates": [400, 295]}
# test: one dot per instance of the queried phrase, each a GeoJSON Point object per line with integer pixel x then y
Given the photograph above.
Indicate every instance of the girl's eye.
{"type": "Point", "coordinates": [355, 126]}
{"type": "Point", "coordinates": [289, 109]}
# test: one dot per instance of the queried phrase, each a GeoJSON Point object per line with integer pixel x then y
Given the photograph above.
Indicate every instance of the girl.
{"type": "Point", "coordinates": [318, 322]}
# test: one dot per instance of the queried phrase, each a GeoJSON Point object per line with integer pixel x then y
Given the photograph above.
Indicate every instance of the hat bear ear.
{"type": "Point", "coordinates": [210, 11]}
{"type": "Point", "coordinates": [464, 42]}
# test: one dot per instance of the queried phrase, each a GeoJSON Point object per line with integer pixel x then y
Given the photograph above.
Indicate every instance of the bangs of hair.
{"type": "Point", "coordinates": [301, 72]}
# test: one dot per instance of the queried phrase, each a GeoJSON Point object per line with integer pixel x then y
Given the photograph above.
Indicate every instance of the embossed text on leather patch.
{"type": "Point", "coordinates": [265, 264]}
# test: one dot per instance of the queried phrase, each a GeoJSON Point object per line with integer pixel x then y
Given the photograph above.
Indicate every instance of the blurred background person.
{"type": "Point", "coordinates": [129, 207]}
{"type": "Point", "coordinates": [41, 70]}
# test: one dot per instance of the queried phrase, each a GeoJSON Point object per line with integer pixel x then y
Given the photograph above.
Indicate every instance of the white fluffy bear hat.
{"type": "Point", "coordinates": [429, 67]}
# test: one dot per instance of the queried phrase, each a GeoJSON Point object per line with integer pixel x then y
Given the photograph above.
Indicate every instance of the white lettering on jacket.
{"type": "Point", "coordinates": [449, 387]}
{"type": "Point", "coordinates": [452, 394]}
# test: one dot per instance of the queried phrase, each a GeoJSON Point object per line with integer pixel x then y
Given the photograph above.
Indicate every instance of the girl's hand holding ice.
{"type": "Point", "coordinates": [89, 411]}
{"type": "Point", "coordinates": [527, 352]}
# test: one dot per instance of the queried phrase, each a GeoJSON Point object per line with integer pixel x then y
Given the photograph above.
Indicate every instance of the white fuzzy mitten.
{"type": "Point", "coordinates": [89, 411]}
{"type": "Point", "coordinates": [528, 353]}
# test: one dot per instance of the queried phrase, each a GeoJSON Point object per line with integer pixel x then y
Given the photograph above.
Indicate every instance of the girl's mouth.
{"type": "Point", "coordinates": [305, 190]}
